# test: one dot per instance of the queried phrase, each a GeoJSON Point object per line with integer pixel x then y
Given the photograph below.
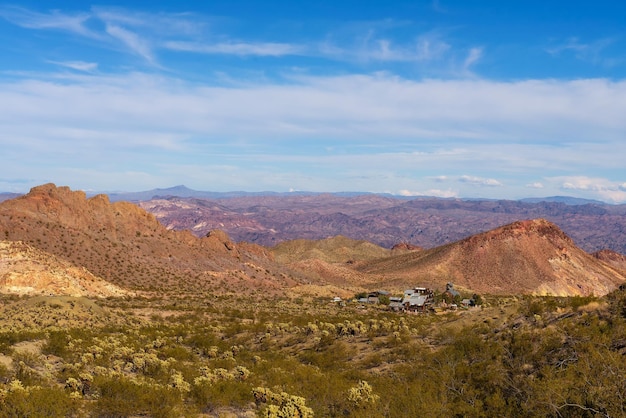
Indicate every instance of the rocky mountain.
{"type": "Point", "coordinates": [27, 270]}
{"type": "Point", "coordinates": [528, 257]}
{"type": "Point", "coordinates": [384, 220]}
{"type": "Point", "coordinates": [128, 247]}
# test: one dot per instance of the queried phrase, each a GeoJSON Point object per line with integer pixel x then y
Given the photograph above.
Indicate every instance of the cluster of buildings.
{"type": "Point", "coordinates": [418, 299]}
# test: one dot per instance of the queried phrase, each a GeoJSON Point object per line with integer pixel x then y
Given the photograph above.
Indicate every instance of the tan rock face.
{"type": "Point", "coordinates": [26, 270]}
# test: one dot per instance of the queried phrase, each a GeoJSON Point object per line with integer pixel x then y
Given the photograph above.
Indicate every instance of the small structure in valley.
{"type": "Point", "coordinates": [418, 299]}
{"type": "Point", "coordinates": [451, 294]}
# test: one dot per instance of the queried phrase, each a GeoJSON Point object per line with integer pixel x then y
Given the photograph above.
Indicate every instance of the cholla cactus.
{"type": "Point", "coordinates": [281, 405]}
{"type": "Point", "coordinates": [241, 373]}
{"type": "Point", "coordinates": [177, 381]}
{"type": "Point", "coordinates": [15, 385]}
{"type": "Point", "coordinates": [362, 395]}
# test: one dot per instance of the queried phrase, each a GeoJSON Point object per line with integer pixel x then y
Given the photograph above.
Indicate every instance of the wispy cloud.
{"type": "Point", "coordinates": [473, 56]}
{"type": "Point", "coordinates": [133, 41]}
{"type": "Point", "coordinates": [237, 48]}
{"type": "Point", "coordinates": [430, 47]}
{"type": "Point", "coordinates": [535, 185]}
{"type": "Point", "coordinates": [75, 23]}
{"type": "Point", "coordinates": [585, 51]}
{"type": "Point", "coordinates": [77, 65]}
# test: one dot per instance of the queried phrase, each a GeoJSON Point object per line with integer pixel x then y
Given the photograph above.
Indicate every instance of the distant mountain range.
{"type": "Point", "coordinates": [383, 220]}
{"type": "Point", "coordinates": [268, 218]}
{"type": "Point", "coordinates": [185, 192]}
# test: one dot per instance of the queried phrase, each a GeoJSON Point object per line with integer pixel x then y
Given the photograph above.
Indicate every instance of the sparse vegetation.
{"type": "Point", "coordinates": [187, 356]}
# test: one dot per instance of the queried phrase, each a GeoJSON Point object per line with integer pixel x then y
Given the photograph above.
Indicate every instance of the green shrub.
{"type": "Point", "coordinates": [56, 344]}
{"type": "Point", "coordinates": [122, 397]}
{"type": "Point", "coordinates": [37, 402]}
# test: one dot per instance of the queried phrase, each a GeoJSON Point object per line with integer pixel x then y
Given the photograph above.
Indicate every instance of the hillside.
{"type": "Point", "coordinates": [336, 249]}
{"type": "Point", "coordinates": [533, 257]}
{"type": "Point", "coordinates": [27, 270]}
{"type": "Point", "coordinates": [128, 247]}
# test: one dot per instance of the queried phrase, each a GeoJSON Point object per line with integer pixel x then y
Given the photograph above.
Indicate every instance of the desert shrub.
{"type": "Point", "coordinates": [56, 344]}
{"type": "Point", "coordinates": [328, 357]}
{"type": "Point", "coordinates": [121, 397]}
{"type": "Point", "coordinates": [578, 301]}
{"type": "Point", "coordinates": [36, 402]}
{"type": "Point", "coordinates": [9, 338]}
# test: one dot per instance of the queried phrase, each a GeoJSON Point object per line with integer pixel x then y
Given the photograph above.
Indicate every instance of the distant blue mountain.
{"type": "Point", "coordinates": [568, 200]}
{"type": "Point", "coordinates": [7, 196]}
{"type": "Point", "coordinates": [185, 192]}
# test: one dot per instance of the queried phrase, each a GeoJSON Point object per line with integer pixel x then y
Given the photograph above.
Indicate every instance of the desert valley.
{"type": "Point", "coordinates": [171, 303]}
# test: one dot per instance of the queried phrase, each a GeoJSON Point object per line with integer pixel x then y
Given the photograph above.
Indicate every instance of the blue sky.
{"type": "Point", "coordinates": [486, 99]}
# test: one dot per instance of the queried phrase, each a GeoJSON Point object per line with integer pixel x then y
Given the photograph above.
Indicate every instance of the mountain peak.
{"type": "Point", "coordinates": [531, 256]}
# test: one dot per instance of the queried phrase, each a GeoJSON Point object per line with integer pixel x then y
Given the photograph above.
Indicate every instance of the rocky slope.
{"type": "Point", "coordinates": [128, 247]}
{"type": "Point", "coordinates": [27, 270]}
{"type": "Point", "coordinates": [531, 257]}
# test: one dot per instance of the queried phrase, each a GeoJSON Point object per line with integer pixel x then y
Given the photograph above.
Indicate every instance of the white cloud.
{"type": "Point", "coordinates": [585, 183]}
{"type": "Point", "coordinates": [535, 185]}
{"type": "Point", "coordinates": [599, 187]}
{"type": "Point", "coordinates": [376, 126]}
{"type": "Point", "coordinates": [479, 181]}
{"type": "Point", "coordinates": [376, 106]}
{"type": "Point", "coordinates": [431, 192]}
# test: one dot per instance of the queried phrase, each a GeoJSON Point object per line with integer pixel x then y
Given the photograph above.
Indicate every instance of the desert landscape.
{"type": "Point", "coordinates": [109, 312]}
{"type": "Point", "coordinates": [283, 209]}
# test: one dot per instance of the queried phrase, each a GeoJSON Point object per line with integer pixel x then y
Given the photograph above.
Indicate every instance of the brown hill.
{"type": "Point", "coordinates": [328, 263]}
{"type": "Point", "coordinates": [338, 249]}
{"type": "Point", "coordinates": [523, 257]}
{"type": "Point", "coordinates": [27, 270]}
{"type": "Point", "coordinates": [128, 247]}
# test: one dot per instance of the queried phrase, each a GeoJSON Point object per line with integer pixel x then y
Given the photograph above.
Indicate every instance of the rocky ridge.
{"type": "Point", "coordinates": [524, 257]}
{"type": "Point", "coordinates": [127, 246]}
